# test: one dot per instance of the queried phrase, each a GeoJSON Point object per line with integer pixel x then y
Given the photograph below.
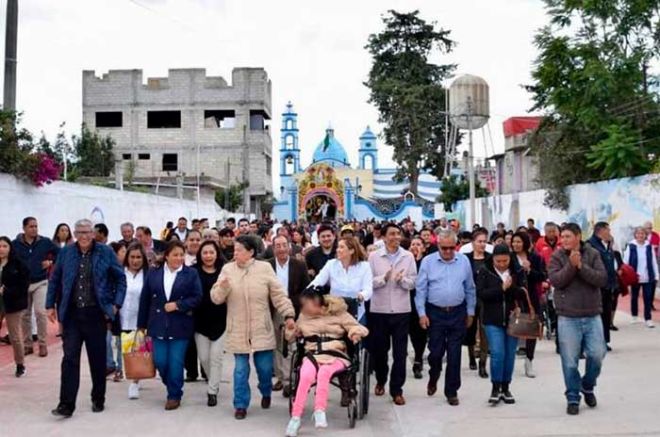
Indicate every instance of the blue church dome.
{"type": "Point", "coordinates": [331, 151]}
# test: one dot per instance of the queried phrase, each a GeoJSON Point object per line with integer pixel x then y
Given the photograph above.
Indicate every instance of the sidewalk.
{"type": "Point", "coordinates": [626, 394]}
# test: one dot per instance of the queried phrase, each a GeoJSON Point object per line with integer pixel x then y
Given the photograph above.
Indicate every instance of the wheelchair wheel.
{"type": "Point", "coordinates": [294, 376]}
{"type": "Point", "coordinates": [362, 381]}
{"type": "Point", "coordinates": [352, 413]}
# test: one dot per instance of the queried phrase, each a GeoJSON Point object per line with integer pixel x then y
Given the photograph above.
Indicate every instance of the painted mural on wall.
{"type": "Point", "coordinates": [624, 203]}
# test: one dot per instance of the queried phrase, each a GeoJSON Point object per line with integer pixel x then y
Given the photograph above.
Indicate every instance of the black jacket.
{"type": "Point", "coordinates": [497, 304]}
{"type": "Point", "coordinates": [16, 280]}
{"type": "Point", "coordinates": [210, 319]}
{"type": "Point", "coordinates": [298, 280]}
{"type": "Point", "coordinates": [316, 259]}
{"type": "Point", "coordinates": [535, 277]}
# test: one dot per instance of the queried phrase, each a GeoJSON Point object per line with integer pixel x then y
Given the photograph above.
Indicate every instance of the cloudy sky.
{"type": "Point", "coordinates": [313, 52]}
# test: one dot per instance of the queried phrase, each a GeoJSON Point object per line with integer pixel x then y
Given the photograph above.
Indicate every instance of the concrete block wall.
{"type": "Point", "coordinates": [199, 148]}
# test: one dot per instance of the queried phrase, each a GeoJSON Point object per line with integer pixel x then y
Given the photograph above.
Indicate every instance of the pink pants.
{"type": "Point", "coordinates": [307, 376]}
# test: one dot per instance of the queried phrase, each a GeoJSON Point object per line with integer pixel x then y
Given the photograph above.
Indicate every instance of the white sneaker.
{"type": "Point", "coordinates": [319, 419]}
{"type": "Point", "coordinates": [634, 320]}
{"type": "Point", "coordinates": [650, 324]}
{"type": "Point", "coordinates": [529, 369]}
{"type": "Point", "coordinates": [293, 427]}
{"type": "Point", "coordinates": [134, 391]}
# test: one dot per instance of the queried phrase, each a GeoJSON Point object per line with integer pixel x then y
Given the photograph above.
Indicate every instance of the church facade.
{"type": "Point", "coordinates": [330, 188]}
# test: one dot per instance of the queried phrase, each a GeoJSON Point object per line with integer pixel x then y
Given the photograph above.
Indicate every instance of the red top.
{"type": "Point", "coordinates": [520, 125]}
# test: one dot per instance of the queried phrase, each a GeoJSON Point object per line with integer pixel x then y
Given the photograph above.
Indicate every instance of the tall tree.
{"type": "Point", "coordinates": [93, 153]}
{"type": "Point", "coordinates": [590, 78]}
{"type": "Point", "coordinates": [406, 88]}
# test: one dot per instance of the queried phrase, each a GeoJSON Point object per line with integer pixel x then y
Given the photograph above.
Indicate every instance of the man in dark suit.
{"type": "Point", "coordinates": [85, 292]}
{"type": "Point", "coordinates": [292, 273]}
{"type": "Point", "coordinates": [153, 248]}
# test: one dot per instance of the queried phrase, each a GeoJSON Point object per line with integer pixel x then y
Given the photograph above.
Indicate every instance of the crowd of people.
{"type": "Point", "coordinates": [250, 288]}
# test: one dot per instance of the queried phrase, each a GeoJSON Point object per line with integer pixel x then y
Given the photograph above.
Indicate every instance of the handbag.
{"type": "Point", "coordinates": [139, 360]}
{"type": "Point", "coordinates": [524, 325]}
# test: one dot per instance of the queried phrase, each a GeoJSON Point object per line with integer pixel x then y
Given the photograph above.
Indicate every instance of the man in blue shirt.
{"type": "Point", "coordinates": [445, 301]}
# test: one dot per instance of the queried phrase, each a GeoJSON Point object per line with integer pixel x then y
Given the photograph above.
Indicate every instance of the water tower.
{"type": "Point", "coordinates": [469, 110]}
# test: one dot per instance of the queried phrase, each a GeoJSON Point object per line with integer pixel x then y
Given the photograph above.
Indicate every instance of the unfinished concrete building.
{"type": "Point", "coordinates": [186, 127]}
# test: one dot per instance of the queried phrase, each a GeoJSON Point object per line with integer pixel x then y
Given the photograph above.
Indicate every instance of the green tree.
{"type": "Point", "coordinates": [590, 79]}
{"type": "Point", "coordinates": [231, 198]}
{"type": "Point", "coordinates": [16, 143]}
{"type": "Point", "coordinates": [406, 88]}
{"type": "Point", "coordinates": [93, 153]}
{"type": "Point", "coordinates": [454, 188]}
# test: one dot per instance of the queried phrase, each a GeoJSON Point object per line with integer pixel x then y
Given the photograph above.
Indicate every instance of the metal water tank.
{"type": "Point", "coordinates": [469, 102]}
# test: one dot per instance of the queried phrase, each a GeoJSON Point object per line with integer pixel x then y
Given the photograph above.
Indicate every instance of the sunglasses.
{"type": "Point", "coordinates": [447, 248]}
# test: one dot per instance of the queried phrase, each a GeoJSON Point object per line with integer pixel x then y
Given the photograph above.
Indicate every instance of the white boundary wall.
{"type": "Point", "coordinates": [67, 202]}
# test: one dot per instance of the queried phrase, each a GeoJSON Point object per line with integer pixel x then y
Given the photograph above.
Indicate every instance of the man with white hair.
{"type": "Point", "coordinates": [445, 301]}
{"type": "Point", "coordinates": [85, 292]}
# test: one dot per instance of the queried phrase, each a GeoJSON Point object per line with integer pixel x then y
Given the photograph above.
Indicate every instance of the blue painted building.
{"type": "Point", "coordinates": [329, 187]}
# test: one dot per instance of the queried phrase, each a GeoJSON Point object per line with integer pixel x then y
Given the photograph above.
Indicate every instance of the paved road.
{"type": "Point", "coordinates": [628, 404]}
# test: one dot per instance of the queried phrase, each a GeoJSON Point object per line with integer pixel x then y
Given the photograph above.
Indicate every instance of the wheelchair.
{"type": "Point", "coordinates": [354, 379]}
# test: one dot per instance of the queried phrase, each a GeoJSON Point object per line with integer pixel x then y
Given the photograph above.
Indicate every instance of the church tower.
{"type": "Point", "coordinates": [368, 151]}
{"type": "Point", "coordinates": [289, 149]}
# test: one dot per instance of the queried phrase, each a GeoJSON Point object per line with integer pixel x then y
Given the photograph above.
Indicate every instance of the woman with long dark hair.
{"type": "Point", "coordinates": [14, 283]}
{"type": "Point", "coordinates": [533, 267]}
{"type": "Point", "coordinates": [210, 319]}
{"type": "Point", "coordinates": [169, 295]}
{"type": "Point", "coordinates": [136, 267]}
{"type": "Point", "coordinates": [499, 286]}
{"type": "Point", "coordinates": [418, 336]}
{"type": "Point", "coordinates": [62, 235]}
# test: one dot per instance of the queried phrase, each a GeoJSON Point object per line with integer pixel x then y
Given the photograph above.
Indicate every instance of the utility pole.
{"type": "Point", "coordinates": [9, 102]}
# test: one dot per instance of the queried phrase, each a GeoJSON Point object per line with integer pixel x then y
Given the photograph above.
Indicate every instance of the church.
{"type": "Point", "coordinates": [330, 188]}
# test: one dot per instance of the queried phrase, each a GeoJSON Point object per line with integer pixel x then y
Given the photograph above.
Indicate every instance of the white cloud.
{"type": "Point", "coordinates": [313, 52]}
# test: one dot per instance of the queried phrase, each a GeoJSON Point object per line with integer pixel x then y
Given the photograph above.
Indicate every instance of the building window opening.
{"type": "Point", "coordinates": [289, 124]}
{"type": "Point", "coordinates": [170, 162]}
{"type": "Point", "coordinates": [163, 119]}
{"type": "Point", "coordinates": [368, 163]}
{"type": "Point", "coordinates": [258, 118]}
{"type": "Point", "coordinates": [126, 156]}
{"type": "Point", "coordinates": [289, 165]}
{"type": "Point", "coordinates": [109, 119]}
{"type": "Point", "coordinates": [219, 119]}
{"type": "Point", "coordinates": [289, 142]}
{"type": "Point", "coordinates": [144, 156]}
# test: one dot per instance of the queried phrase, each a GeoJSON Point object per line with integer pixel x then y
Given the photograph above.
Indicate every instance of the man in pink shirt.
{"type": "Point", "coordinates": [394, 274]}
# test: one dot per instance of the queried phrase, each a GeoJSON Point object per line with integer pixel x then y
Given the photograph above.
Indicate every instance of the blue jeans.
{"type": "Point", "coordinates": [502, 353]}
{"type": "Point", "coordinates": [647, 297]}
{"type": "Point", "coordinates": [169, 356]}
{"type": "Point", "coordinates": [263, 361]}
{"type": "Point", "coordinates": [109, 357]}
{"type": "Point", "coordinates": [577, 334]}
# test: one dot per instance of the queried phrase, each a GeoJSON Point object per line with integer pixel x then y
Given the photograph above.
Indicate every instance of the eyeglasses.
{"type": "Point", "coordinates": [447, 248]}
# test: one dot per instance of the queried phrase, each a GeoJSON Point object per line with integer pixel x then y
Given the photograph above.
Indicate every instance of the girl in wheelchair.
{"type": "Point", "coordinates": [324, 325]}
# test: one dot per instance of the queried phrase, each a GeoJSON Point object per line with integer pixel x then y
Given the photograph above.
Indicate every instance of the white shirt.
{"type": "Point", "coordinates": [283, 274]}
{"type": "Point", "coordinates": [190, 260]}
{"type": "Point", "coordinates": [181, 234]}
{"type": "Point", "coordinates": [503, 275]}
{"type": "Point", "coordinates": [129, 309]}
{"type": "Point", "coordinates": [168, 279]}
{"type": "Point", "coordinates": [642, 269]}
{"type": "Point", "coordinates": [347, 283]}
